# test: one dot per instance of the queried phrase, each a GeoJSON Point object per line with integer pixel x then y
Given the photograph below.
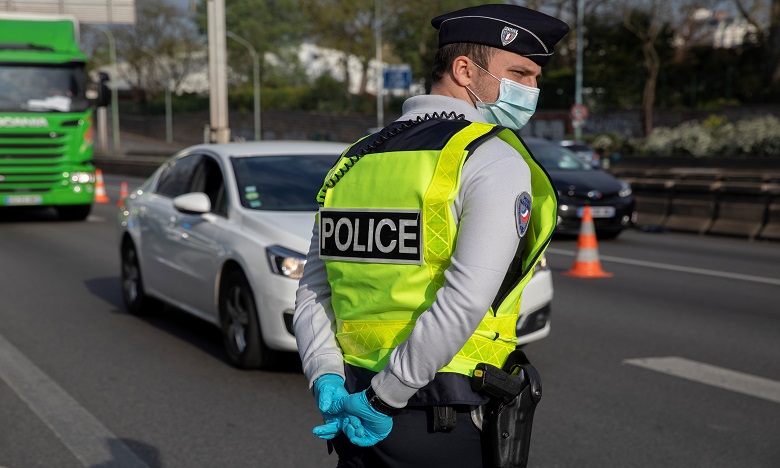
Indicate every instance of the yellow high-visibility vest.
{"type": "Point", "coordinates": [387, 234]}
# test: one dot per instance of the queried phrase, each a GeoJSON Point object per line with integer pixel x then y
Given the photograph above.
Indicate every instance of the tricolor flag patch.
{"type": "Point", "coordinates": [522, 213]}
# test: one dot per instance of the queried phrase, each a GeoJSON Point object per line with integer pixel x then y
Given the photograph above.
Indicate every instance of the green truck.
{"type": "Point", "coordinates": [46, 126]}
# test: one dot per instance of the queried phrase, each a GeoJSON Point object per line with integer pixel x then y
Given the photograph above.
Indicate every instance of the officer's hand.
{"type": "Point", "coordinates": [327, 389]}
{"type": "Point", "coordinates": [338, 423]}
{"type": "Point", "coordinates": [375, 425]}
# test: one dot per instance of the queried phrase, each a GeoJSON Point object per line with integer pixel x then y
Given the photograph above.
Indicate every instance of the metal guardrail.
{"type": "Point", "coordinates": [716, 201]}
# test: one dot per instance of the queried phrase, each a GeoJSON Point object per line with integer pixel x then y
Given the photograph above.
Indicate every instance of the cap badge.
{"type": "Point", "coordinates": [508, 35]}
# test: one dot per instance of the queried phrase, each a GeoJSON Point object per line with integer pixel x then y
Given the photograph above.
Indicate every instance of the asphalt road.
{"type": "Point", "coordinates": [672, 362]}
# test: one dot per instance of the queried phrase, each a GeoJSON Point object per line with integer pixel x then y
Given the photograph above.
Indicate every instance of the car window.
{"type": "Point", "coordinates": [555, 157]}
{"type": "Point", "coordinates": [208, 178]}
{"type": "Point", "coordinates": [281, 183]}
{"type": "Point", "coordinates": [175, 179]}
{"type": "Point", "coordinates": [578, 147]}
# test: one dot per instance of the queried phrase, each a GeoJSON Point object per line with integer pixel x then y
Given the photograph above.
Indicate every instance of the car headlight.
{"type": "Point", "coordinates": [80, 177]}
{"type": "Point", "coordinates": [625, 189]}
{"type": "Point", "coordinates": [541, 264]}
{"type": "Point", "coordinates": [285, 262]}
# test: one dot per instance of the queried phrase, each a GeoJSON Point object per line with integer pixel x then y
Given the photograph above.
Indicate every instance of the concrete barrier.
{"type": "Point", "coordinates": [653, 199]}
{"type": "Point", "coordinates": [717, 201]}
{"type": "Point", "coordinates": [692, 206]}
{"type": "Point", "coordinates": [771, 229]}
{"type": "Point", "coordinates": [741, 209]}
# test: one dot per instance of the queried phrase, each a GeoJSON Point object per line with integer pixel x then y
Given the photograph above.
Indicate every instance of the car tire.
{"type": "Point", "coordinates": [73, 212]}
{"type": "Point", "coordinates": [137, 302]}
{"type": "Point", "coordinates": [240, 325]}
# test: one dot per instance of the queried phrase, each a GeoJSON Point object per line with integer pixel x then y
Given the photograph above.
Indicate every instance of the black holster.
{"type": "Point", "coordinates": [514, 392]}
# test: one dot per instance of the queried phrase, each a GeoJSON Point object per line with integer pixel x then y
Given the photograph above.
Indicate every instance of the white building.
{"type": "Point", "coordinates": [719, 29]}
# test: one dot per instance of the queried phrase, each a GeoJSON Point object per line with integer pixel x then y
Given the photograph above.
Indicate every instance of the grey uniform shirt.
{"type": "Point", "coordinates": [492, 179]}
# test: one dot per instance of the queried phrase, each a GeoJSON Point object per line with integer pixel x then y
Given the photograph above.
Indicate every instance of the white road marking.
{"type": "Point", "coordinates": [684, 269]}
{"type": "Point", "coordinates": [89, 441]}
{"type": "Point", "coordinates": [735, 381]}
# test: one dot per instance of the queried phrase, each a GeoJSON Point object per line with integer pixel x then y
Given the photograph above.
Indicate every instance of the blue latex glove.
{"type": "Point", "coordinates": [375, 425]}
{"type": "Point", "coordinates": [328, 389]}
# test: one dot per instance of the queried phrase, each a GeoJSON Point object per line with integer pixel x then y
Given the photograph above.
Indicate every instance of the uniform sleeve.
{"type": "Point", "coordinates": [314, 321]}
{"type": "Point", "coordinates": [493, 178]}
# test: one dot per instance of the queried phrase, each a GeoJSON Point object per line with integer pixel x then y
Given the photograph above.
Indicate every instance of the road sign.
{"type": "Point", "coordinates": [397, 76]}
{"type": "Point", "coordinates": [578, 113]}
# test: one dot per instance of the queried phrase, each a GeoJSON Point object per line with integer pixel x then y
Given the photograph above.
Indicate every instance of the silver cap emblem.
{"type": "Point", "coordinates": [508, 35]}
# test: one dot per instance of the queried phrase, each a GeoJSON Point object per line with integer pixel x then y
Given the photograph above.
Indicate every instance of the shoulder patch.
{"type": "Point", "coordinates": [522, 213]}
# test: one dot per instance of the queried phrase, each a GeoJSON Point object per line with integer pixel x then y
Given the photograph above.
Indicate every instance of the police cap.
{"type": "Point", "coordinates": [513, 28]}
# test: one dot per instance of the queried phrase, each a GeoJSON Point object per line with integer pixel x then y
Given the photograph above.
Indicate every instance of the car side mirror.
{"type": "Point", "coordinates": [193, 203]}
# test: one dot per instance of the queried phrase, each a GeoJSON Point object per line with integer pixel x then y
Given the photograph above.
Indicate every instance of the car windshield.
{"type": "Point", "coordinates": [281, 183]}
{"type": "Point", "coordinates": [43, 88]}
{"type": "Point", "coordinates": [556, 158]}
{"type": "Point", "coordinates": [578, 147]}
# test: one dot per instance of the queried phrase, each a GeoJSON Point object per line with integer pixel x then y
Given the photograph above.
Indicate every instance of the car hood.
{"type": "Point", "coordinates": [585, 181]}
{"type": "Point", "coordinates": [290, 229]}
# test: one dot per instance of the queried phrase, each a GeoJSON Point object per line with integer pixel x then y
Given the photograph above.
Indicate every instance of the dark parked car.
{"type": "Point", "coordinates": [578, 184]}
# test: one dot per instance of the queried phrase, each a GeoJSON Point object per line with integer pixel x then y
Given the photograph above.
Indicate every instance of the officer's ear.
{"type": "Point", "coordinates": [462, 70]}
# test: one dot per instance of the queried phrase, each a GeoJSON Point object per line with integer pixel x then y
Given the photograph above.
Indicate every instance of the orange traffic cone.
{"type": "Point", "coordinates": [122, 193]}
{"type": "Point", "coordinates": [100, 188]}
{"type": "Point", "coordinates": [587, 263]}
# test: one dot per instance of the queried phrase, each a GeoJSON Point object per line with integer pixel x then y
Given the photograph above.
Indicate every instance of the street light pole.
{"type": "Point", "coordinates": [218, 105]}
{"type": "Point", "coordinates": [114, 91]}
{"type": "Point", "coordinates": [380, 105]}
{"type": "Point", "coordinates": [168, 112]}
{"type": "Point", "coordinates": [255, 77]}
{"type": "Point", "coordinates": [578, 82]}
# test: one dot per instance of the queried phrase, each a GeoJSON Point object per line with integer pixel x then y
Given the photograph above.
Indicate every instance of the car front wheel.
{"type": "Point", "coordinates": [133, 294]}
{"type": "Point", "coordinates": [240, 328]}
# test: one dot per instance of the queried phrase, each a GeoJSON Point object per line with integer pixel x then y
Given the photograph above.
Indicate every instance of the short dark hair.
{"type": "Point", "coordinates": [480, 54]}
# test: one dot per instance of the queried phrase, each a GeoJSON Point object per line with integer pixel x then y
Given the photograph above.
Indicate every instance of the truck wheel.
{"type": "Point", "coordinates": [74, 212]}
{"type": "Point", "coordinates": [133, 294]}
{"type": "Point", "coordinates": [240, 326]}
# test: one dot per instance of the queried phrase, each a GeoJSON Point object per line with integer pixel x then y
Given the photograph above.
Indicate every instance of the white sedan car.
{"type": "Point", "coordinates": [222, 231]}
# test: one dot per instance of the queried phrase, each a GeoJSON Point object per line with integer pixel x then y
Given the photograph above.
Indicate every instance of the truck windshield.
{"type": "Point", "coordinates": [43, 88]}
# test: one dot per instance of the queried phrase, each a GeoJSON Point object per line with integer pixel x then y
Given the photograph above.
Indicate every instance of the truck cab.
{"type": "Point", "coordinates": [46, 132]}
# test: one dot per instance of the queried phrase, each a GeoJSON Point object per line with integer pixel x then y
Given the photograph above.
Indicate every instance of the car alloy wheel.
{"type": "Point", "coordinates": [240, 327]}
{"type": "Point", "coordinates": [135, 298]}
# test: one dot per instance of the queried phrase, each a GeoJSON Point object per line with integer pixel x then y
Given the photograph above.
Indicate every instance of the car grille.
{"type": "Point", "coordinates": [583, 198]}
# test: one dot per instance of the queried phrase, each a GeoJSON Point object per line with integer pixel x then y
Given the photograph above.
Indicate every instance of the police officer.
{"type": "Point", "coordinates": [427, 233]}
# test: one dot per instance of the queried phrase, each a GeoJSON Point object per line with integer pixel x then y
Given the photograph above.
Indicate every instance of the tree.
{"type": "Point", "coordinates": [609, 66]}
{"type": "Point", "coordinates": [158, 49]}
{"type": "Point", "coordinates": [646, 25]}
{"type": "Point", "coordinates": [764, 15]}
{"type": "Point", "coordinates": [413, 40]}
{"type": "Point", "coordinates": [270, 26]}
{"type": "Point", "coordinates": [346, 26]}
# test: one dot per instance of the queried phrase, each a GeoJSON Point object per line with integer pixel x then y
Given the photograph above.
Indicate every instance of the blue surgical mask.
{"type": "Point", "coordinates": [514, 107]}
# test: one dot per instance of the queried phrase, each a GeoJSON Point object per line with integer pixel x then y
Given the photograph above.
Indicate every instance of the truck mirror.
{"type": "Point", "coordinates": [103, 91]}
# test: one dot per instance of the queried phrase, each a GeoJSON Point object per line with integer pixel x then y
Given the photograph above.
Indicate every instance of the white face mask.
{"type": "Point", "coordinates": [514, 107]}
